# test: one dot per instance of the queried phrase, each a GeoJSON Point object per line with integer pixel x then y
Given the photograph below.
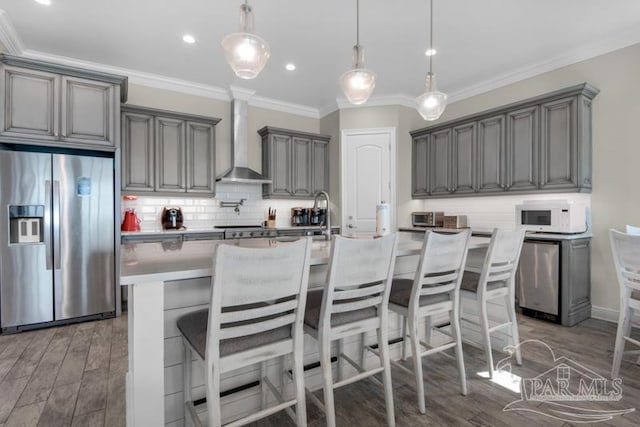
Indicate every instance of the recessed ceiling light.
{"type": "Point", "coordinates": [188, 38]}
{"type": "Point", "coordinates": [431, 52]}
{"type": "Point", "coordinates": [44, 2]}
{"type": "Point", "coordinates": [290, 66]}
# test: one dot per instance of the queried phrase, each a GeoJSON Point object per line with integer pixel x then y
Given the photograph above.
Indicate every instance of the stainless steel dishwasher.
{"type": "Point", "coordinates": [538, 279]}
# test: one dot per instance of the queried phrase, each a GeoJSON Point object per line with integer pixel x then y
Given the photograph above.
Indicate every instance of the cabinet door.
{"type": "Point", "coordinates": [558, 165]}
{"type": "Point", "coordinates": [490, 154]}
{"type": "Point", "coordinates": [138, 154]}
{"type": "Point", "coordinates": [301, 167]}
{"type": "Point", "coordinates": [31, 107]}
{"type": "Point", "coordinates": [440, 162]}
{"type": "Point", "coordinates": [464, 158]}
{"type": "Point", "coordinates": [419, 171]}
{"type": "Point", "coordinates": [320, 166]}
{"type": "Point", "coordinates": [201, 176]}
{"type": "Point", "coordinates": [170, 155]}
{"type": "Point", "coordinates": [280, 164]}
{"type": "Point", "coordinates": [522, 149]}
{"type": "Point", "coordinates": [88, 111]}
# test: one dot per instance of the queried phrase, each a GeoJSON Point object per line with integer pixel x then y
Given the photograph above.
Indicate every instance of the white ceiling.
{"type": "Point", "coordinates": [481, 43]}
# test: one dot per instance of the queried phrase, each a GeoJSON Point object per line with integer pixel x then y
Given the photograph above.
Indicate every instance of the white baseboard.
{"type": "Point", "coordinates": [604, 313]}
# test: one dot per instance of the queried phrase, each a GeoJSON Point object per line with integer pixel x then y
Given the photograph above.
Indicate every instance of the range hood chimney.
{"type": "Point", "coordinates": [239, 171]}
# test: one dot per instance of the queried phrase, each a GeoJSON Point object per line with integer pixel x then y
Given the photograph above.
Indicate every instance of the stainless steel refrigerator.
{"type": "Point", "coordinates": [57, 241]}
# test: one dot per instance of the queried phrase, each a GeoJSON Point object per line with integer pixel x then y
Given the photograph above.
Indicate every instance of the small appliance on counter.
{"type": "Point", "coordinates": [455, 221]}
{"type": "Point", "coordinates": [427, 219]}
{"type": "Point", "coordinates": [130, 222]}
{"type": "Point", "coordinates": [171, 218]}
{"type": "Point", "coordinates": [551, 216]}
{"type": "Point", "coordinates": [317, 216]}
{"type": "Point", "coordinates": [299, 216]}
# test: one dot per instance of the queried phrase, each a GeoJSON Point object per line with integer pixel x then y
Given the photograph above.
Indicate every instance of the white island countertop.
{"type": "Point", "coordinates": [152, 262]}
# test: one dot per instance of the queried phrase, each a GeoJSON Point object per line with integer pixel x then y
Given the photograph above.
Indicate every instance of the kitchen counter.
{"type": "Point", "coordinates": [166, 282]}
{"type": "Point", "coordinates": [151, 262]}
{"type": "Point", "coordinates": [189, 230]}
{"type": "Point", "coordinates": [487, 232]}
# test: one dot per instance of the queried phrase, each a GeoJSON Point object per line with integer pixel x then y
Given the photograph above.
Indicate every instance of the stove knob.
{"type": "Point", "coordinates": [250, 233]}
{"type": "Point", "coordinates": [234, 234]}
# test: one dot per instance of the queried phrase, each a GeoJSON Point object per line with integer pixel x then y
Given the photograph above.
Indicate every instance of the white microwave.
{"type": "Point", "coordinates": [551, 216]}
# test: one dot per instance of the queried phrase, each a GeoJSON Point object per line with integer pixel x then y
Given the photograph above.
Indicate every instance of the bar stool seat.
{"type": "Point", "coordinates": [193, 327]}
{"type": "Point", "coordinates": [471, 279]}
{"type": "Point", "coordinates": [401, 294]}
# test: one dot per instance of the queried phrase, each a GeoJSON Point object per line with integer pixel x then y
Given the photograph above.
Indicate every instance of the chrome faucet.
{"type": "Point", "coordinates": [327, 217]}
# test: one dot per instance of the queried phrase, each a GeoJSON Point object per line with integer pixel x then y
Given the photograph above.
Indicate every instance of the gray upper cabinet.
{"type": "Point", "coordinates": [170, 155]}
{"type": "Point", "coordinates": [440, 162]}
{"type": "Point", "coordinates": [463, 153]}
{"type": "Point", "coordinates": [491, 154]}
{"type": "Point", "coordinates": [522, 149]}
{"type": "Point", "coordinates": [296, 162]}
{"type": "Point", "coordinates": [57, 105]}
{"type": "Point", "coordinates": [167, 153]}
{"type": "Point", "coordinates": [541, 144]}
{"type": "Point", "coordinates": [201, 155]}
{"type": "Point", "coordinates": [138, 152]}
{"type": "Point", "coordinates": [320, 165]}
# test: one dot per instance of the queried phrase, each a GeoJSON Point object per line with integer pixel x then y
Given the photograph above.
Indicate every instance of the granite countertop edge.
{"type": "Point", "coordinates": [487, 232]}
{"type": "Point", "coordinates": [195, 230]}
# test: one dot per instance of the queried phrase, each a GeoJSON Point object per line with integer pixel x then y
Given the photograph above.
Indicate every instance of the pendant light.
{"type": "Point", "coordinates": [246, 53]}
{"type": "Point", "coordinates": [432, 103]}
{"type": "Point", "coordinates": [357, 84]}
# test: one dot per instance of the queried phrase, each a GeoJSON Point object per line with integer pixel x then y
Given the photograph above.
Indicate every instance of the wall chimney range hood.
{"type": "Point", "coordinates": [240, 171]}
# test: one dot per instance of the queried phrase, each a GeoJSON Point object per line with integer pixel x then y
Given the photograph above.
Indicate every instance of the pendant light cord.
{"type": "Point", "coordinates": [357, 22]}
{"type": "Point", "coordinates": [431, 36]}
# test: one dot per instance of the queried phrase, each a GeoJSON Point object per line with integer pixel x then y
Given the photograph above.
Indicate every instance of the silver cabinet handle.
{"type": "Point", "coordinates": [351, 226]}
{"type": "Point", "coordinates": [56, 223]}
{"type": "Point", "coordinates": [47, 224]}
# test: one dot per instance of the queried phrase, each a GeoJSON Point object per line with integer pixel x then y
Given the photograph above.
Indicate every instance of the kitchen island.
{"type": "Point", "coordinates": [166, 283]}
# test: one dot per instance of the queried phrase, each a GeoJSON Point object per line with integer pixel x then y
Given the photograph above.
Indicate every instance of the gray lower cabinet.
{"type": "Point", "coordinates": [541, 144]}
{"type": "Point", "coordinates": [59, 105]}
{"type": "Point", "coordinates": [167, 153]}
{"type": "Point", "coordinates": [296, 162]}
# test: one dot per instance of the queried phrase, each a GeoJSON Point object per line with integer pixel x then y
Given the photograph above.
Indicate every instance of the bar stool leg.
{"type": "Point", "coordinates": [405, 337]}
{"type": "Point", "coordinates": [386, 374]}
{"type": "Point", "coordinates": [363, 349]}
{"type": "Point", "coordinates": [454, 319]}
{"type": "Point", "coordinates": [263, 385]}
{"type": "Point", "coordinates": [340, 347]}
{"type": "Point", "coordinates": [325, 362]}
{"type": "Point", "coordinates": [515, 337]}
{"type": "Point", "coordinates": [298, 380]}
{"type": "Point", "coordinates": [624, 327]}
{"type": "Point", "coordinates": [186, 384]}
{"type": "Point", "coordinates": [417, 365]}
{"type": "Point", "coordinates": [486, 335]}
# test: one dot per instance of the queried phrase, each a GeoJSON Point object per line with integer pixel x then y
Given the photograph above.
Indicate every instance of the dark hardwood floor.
{"type": "Point", "coordinates": [74, 376]}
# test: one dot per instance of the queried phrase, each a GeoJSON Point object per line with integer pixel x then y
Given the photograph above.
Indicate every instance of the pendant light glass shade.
{"type": "Point", "coordinates": [432, 103]}
{"type": "Point", "coordinates": [358, 83]}
{"type": "Point", "coordinates": [246, 53]}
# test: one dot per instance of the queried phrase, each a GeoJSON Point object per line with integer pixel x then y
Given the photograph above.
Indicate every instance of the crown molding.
{"type": "Point", "coordinates": [583, 53]}
{"type": "Point", "coordinates": [284, 107]}
{"type": "Point", "coordinates": [8, 35]}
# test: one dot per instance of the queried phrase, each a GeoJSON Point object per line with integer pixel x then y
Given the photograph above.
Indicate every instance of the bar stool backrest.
{"type": "Point", "coordinates": [626, 256]}
{"type": "Point", "coordinates": [359, 276]}
{"type": "Point", "coordinates": [501, 261]}
{"type": "Point", "coordinates": [257, 290]}
{"type": "Point", "coordinates": [441, 264]}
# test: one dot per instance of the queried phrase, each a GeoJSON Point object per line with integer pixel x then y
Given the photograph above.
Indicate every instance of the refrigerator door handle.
{"type": "Point", "coordinates": [47, 224]}
{"type": "Point", "coordinates": [56, 223]}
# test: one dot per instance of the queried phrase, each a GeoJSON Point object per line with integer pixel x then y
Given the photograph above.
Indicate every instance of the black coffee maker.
{"type": "Point", "coordinates": [171, 218]}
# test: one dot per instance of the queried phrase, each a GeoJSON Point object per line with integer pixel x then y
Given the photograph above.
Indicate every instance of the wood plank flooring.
{"type": "Point", "coordinates": [74, 376]}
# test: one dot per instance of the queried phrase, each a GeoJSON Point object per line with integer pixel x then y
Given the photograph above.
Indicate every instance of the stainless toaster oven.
{"type": "Point", "coordinates": [427, 219]}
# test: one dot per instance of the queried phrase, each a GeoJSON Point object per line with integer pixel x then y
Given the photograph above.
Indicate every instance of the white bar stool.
{"type": "Point", "coordinates": [626, 257]}
{"type": "Point", "coordinates": [496, 281]}
{"type": "Point", "coordinates": [256, 314]}
{"type": "Point", "coordinates": [354, 301]}
{"type": "Point", "coordinates": [434, 290]}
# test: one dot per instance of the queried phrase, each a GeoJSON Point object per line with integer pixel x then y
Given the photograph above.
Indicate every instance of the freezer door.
{"type": "Point", "coordinates": [26, 278]}
{"type": "Point", "coordinates": [83, 235]}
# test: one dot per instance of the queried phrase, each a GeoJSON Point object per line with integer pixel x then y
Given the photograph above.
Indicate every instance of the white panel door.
{"type": "Point", "coordinates": [368, 159]}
